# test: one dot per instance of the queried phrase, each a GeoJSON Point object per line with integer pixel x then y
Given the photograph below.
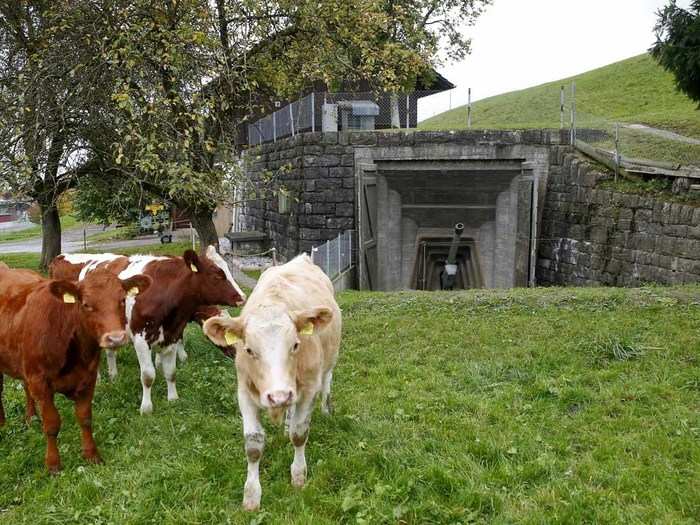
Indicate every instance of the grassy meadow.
{"type": "Point", "coordinates": [633, 91]}
{"type": "Point", "coordinates": [526, 406]}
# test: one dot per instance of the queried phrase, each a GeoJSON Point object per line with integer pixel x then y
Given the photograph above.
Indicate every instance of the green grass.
{"type": "Point", "coordinates": [21, 260]}
{"type": "Point", "coordinates": [255, 274]}
{"type": "Point", "coordinates": [528, 406]}
{"type": "Point", "coordinates": [175, 248]}
{"type": "Point", "coordinates": [636, 90]}
{"type": "Point", "coordinates": [67, 222]}
{"type": "Point", "coordinates": [118, 234]}
{"type": "Point", "coordinates": [31, 260]}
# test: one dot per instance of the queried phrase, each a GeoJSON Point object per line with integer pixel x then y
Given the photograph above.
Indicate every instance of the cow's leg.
{"type": "Point", "coordinates": [168, 360]}
{"type": "Point", "coordinates": [30, 408]}
{"type": "Point", "coordinates": [51, 422]}
{"type": "Point", "coordinates": [181, 354]}
{"type": "Point", "coordinates": [254, 436]}
{"type": "Point", "coordinates": [83, 413]}
{"type": "Point", "coordinates": [300, 420]}
{"type": "Point", "coordinates": [2, 409]}
{"type": "Point", "coordinates": [112, 364]}
{"type": "Point", "coordinates": [326, 402]}
{"type": "Point", "coordinates": [148, 372]}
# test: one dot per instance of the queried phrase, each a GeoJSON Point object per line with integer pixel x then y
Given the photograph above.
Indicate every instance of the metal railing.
{"type": "Point", "coordinates": [335, 256]}
{"type": "Point", "coordinates": [397, 111]}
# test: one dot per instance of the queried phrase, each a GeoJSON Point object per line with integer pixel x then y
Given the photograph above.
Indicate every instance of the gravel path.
{"type": "Point", "coordinates": [669, 135]}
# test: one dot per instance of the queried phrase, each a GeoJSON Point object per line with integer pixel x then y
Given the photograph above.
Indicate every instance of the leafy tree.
{"type": "Point", "coordinates": [48, 80]}
{"type": "Point", "coordinates": [134, 99]}
{"type": "Point", "coordinates": [189, 72]}
{"type": "Point", "coordinates": [677, 46]}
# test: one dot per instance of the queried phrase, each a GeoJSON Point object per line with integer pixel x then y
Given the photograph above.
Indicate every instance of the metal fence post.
{"type": "Point", "coordinates": [573, 113]}
{"type": "Point", "coordinates": [291, 118]}
{"type": "Point", "coordinates": [274, 126]}
{"type": "Point", "coordinates": [313, 112]}
{"type": "Point", "coordinates": [617, 150]}
{"type": "Point", "coordinates": [339, 243]}
{"type": "Point", "coordinates": [469, 108]}
{"type": "Point", "coordinates": [328, 257]}
{"type": "Point", "coordinates": [561, 108]}
{"type": "Point", "coordinates": [408, 112]}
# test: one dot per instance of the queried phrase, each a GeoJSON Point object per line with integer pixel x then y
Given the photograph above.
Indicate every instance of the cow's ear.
{"type": "Point", "coordinates": [137, 284]}
{"type": "Point", "coordinates": [223, 330]}
{"type": "Point", "coordinates": [308, 321]}
{"type": "Point", "coordinates": [65, 291]}
{"type": "Point", "coordinates": [192, 260]}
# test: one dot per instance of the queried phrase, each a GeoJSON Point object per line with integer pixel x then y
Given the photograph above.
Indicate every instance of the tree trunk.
{"type": "Point", "coordinates": [204, 224]}
{"type": "Point", "coordinates": [50, 234]}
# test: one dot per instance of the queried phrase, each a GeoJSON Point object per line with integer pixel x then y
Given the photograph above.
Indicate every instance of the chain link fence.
{"type": "Point", "coordinates": [335, 256]}
{"type": "Point", "coordinates": [342, 111]}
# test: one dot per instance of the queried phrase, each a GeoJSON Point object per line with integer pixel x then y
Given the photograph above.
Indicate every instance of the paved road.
{"type": "Point", "coordinates": [72, 241]}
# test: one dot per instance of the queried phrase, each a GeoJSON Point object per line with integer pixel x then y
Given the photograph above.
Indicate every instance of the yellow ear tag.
{"type": "Point", "coordinates": [193, 268]}
{"type": "Point", "coordinates": [231, 337]}
{"type": "Point", "coordinates": [308, 329]}
{"type": "Point", "coordinates": [68, 298]}
{"type": "Point", "coordinates": [134, 291]}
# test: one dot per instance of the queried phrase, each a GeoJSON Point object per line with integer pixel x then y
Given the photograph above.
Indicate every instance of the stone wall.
{"type": "Point", "coordinates": [595, 236]}
{"type": "Point", "coordinates": [317, 171]}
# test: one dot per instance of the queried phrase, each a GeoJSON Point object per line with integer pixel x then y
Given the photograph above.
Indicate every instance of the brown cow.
{"type": "Point", "coordinates": [51, 336]}
{"type": "Point", "coordinates": [181, 286]}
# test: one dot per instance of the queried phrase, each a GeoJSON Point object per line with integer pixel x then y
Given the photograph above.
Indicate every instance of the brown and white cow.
{"type": "Point", "coordinates": [287, 340]}
{"type": "Point", "coordinates": [181, 287]}
{"type": "Point", "coordinates": [51, 335]}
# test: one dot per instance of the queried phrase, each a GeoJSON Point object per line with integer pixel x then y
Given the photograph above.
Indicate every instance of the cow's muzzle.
{"type": "Point", "coordinates": [114, 339]}
{"type": "Point", "coordinates": [279, 398]}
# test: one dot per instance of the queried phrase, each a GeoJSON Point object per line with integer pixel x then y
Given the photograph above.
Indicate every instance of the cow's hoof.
{"type": "Point", "coordinates": [146, 410]}
{"type": "Point", "coordinates": [251, 496]}
{"type": "Point", "coordinates": [173, 397]}
{"type": "Point", "coordinates": [182, 356]}
{"type": "Point", "coordinates": [54, 468]}
{"type": "Point", "coordinates": [93, 458]}
{"type": "Point", "coordinates": [112, 378]}
{"type": "Point", "coordinates": [298, 477]}
{"type": "Point", "coordinates": [2, 421]}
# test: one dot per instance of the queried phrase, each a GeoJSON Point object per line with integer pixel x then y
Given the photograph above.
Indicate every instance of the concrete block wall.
{"type": "Point", "coordinates": [594, 236]}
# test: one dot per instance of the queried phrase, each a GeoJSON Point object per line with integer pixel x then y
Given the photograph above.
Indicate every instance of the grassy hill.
{"type": "Point", "coordinates": [523, 406]}
{"type": "Point", "coordinates": [636, 91]}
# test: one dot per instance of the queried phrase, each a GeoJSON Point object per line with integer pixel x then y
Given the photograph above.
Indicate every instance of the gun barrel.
{"type": "Point", "coordinates": [452, 255]}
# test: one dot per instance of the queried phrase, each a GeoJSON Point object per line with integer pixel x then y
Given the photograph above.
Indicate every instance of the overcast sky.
{"type": "Point", "coordinates": [523, 43]}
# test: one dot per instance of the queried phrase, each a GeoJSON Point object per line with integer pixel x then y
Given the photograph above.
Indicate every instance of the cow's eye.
{"type": "Point", "coordinates": [295, 348]}
{"type": "Point", "coordinates": [88, 307]}
{"type": "Point", "coordinates": [250, 351]}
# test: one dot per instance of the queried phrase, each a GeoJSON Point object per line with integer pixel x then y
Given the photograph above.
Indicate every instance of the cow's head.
{"type": "Point", "coordinates": [267, 344]}
{"type": "Point", "coordinates": [100, 300]}
{"type": "Point", "coordinates": [212, 278]}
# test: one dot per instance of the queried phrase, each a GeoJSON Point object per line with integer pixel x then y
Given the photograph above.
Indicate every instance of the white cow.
{"type": "Point", "coordinates": [287, 340]}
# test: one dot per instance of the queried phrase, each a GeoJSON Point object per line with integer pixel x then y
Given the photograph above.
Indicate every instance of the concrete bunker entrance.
{"type": "Point", "coordinates": [416, 206]}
